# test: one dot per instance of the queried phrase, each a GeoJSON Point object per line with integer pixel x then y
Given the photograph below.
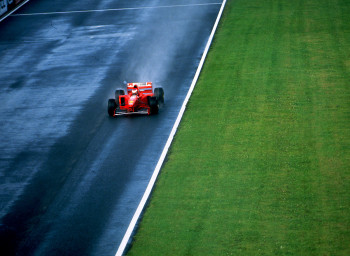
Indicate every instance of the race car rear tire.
{"type": "Point", "coordinates": [112, 106]}
{"type": "Point", "coordinates": [153, 104]}
{"type": "Point", "coordinates": [159, 93]}
{"type": "Point", "coordinates": [118, 92]}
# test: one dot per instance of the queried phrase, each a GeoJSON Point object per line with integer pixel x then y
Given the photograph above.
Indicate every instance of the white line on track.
{"type": "Point", "coordinates": [152, 181]}
{"type": "Point", "coordinates": [17, 7]}
{"type": "Point", "coordinates": [113, 10]}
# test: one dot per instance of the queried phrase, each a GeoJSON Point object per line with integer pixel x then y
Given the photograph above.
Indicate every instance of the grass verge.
{"type": "Point", "coordinates": [261, 162]}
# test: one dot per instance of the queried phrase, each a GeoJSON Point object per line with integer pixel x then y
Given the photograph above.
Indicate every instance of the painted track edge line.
{"type": "Point", "coordinates": [116, 9]}
{"type": "Point", "coordinates": [19, 6]}
{"type": "Point", "coordinates": [152, 181]}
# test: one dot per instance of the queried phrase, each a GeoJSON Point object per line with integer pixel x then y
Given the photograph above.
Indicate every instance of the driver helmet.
{"type": "Point", "coordinates": [134, 91]}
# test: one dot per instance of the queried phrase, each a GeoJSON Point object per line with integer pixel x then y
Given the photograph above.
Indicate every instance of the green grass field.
{"type": "Point", "coordinates": [261, 162]}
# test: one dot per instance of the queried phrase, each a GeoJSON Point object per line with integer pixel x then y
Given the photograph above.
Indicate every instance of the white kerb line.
{"type": "Point", "coordinates": [152, 181]}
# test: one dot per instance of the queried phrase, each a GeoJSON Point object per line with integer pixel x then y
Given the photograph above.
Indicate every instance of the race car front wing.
{"type": "Point", "coordinates": [125, 113]}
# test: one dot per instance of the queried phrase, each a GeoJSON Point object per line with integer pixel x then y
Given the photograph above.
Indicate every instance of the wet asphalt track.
{"type": "Point", "coordinates": [70, 176]}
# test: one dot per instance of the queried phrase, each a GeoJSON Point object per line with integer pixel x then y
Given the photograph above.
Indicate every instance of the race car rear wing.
{"type": "Point", "coordinates": [144, 88]}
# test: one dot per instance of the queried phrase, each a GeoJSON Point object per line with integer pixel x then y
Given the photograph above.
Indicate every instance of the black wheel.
{"type": "Point", "coordinates": [117, 93]}
{"type": "Point", "coordinates": [153, 104]}
{"type": "Point", "coordinates": [159, 93]}
{"type": "Point", "coordinates": [112, 106]}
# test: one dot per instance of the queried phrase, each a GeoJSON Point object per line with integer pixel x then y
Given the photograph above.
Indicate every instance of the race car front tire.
{"type": "Point", "coordinates": [159, 93]}
{"type": "Point", "coordinates": [153, 104]}
{"type": "Point", "coordinates": [112, 106]}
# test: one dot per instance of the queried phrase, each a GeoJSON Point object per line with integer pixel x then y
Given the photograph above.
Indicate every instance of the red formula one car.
{"type": "Point", "coordinates": [140, 99]}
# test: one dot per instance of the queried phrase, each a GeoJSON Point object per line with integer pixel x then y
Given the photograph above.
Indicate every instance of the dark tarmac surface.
{"type": "Point", "coordinates": [71, 177]}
